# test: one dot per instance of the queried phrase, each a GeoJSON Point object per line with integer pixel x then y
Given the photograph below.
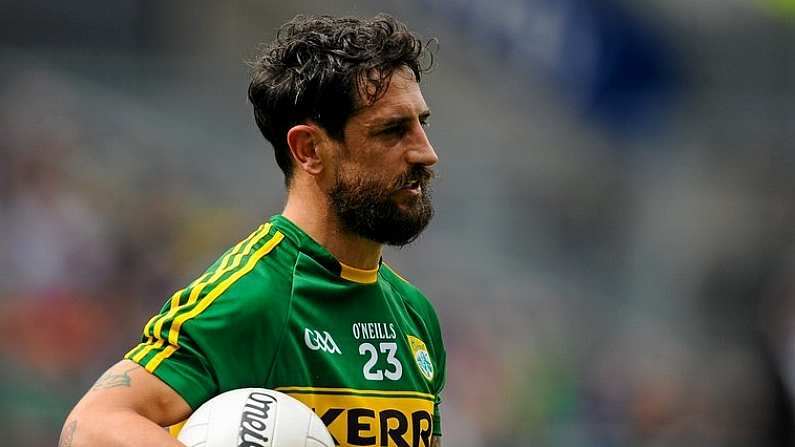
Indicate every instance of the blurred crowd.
{"type": "Point", "coordinates": [86, 252]}
{"type": "Point", "coordinates": [601, 280]}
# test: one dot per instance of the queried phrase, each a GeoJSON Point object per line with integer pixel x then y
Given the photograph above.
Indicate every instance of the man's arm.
{"type": "Point", "coordinates": [126, 407]}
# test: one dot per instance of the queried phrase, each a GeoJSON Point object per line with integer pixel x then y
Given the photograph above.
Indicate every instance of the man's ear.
{"type": "Point", "coordinates": [303, 140]}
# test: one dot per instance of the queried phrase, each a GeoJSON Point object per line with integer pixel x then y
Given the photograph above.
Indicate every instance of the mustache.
{"type": "Point", "coordinates": [421, 174]}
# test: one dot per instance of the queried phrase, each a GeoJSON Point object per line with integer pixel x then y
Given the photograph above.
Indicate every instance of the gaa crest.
{"type": "Point", "coordinates": [421, 357]}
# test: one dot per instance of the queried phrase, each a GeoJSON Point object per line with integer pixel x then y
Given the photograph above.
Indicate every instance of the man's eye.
{"type": "Point", "coordinates": [425, 124]}
{"type": "Point", "coordinates": [395, 130]}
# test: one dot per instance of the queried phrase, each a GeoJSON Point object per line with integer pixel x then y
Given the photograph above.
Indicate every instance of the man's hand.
{"type": "Point", "coordinates": [436, 441]}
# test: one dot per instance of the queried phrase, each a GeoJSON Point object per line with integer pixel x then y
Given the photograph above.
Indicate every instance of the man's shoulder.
{"type": "Point", "coordinates": [254, 268]}
{"type": "Point", "coordinates": [410, 292]}
{"type": "Point", "coordinates": [416, 300]}
{"type": "Point", "coordinates": [398, 281]}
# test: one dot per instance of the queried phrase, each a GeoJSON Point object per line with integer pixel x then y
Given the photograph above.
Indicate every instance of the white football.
{"type": "Point", "coordinates": [254, 417]}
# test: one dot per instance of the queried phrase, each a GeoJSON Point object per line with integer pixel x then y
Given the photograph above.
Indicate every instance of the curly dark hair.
{"type": "Point", "coordinates": [323, 69]}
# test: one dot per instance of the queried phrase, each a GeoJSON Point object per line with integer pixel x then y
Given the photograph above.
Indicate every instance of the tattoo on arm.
{"type": "Point", "coordinates": [437, 441]}
{"type": "Point", "coordinates": [113, 380]}
{"type": "Point", "coordinates": [68, 434]}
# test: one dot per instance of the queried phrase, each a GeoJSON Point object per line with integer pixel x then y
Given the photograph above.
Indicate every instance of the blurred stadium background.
{"type": "Point", "coordinates": [612, 257]}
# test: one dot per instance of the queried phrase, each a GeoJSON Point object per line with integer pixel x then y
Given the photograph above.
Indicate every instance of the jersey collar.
{"type": "Point", "coordinates": [359, 275]}
{"type": "Point", "coordinates": [309, 246]}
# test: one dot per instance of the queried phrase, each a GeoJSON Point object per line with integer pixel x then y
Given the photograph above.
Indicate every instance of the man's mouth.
{"type": "Point", "coordinates": [412, 188]}
{"type": "Point", "coordinates": [414, 184]}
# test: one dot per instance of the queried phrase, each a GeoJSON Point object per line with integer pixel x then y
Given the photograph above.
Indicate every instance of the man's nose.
{"type": "Point", "coordinates": [422, 152]}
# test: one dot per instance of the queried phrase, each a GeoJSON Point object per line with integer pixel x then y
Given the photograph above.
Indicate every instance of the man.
{"type": "Point", "coordinates": [304, 304]}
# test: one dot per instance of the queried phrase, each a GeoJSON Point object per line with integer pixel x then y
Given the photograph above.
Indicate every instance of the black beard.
{"type": "Point", "coordinates": [366, 208]}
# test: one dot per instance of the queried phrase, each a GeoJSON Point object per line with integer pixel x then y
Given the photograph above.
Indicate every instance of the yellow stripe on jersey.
{"type": "Point", "coordinates": [351, 391]}
{"type": "Point", "coordinates": [204, 303]}
{"type": "Point", "coordinates": [131, 354]}
{"type": "Point", "coordinates": [195, 287]}
{"type": "Point", "coordinates": [194, 294]}
{"type": "Point", "coordinates": [176, 428]}
{"type": "Point", "coordinates": [144, 348]}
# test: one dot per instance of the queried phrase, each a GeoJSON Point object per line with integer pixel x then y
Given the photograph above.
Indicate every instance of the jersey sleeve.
{"type": "Point", "coordinates": [439, 358]}
{"type": "Point", "coordinates": [421, 304]}
{"type": "Point", "coordinates": [218, 334]}
{"type": "Point", "coordinates": [440, 379]}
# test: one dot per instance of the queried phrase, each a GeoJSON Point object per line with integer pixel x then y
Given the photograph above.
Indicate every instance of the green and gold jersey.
{"type": "Point", "coordinates": [361, 348]}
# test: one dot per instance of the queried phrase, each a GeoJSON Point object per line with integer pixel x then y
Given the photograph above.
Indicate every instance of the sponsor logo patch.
{"type": "Point", "coordinates": [387, 421]}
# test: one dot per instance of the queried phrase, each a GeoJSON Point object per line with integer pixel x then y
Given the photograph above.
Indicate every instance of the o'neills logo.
{"type": "Point", "coordinates": [256, 423]}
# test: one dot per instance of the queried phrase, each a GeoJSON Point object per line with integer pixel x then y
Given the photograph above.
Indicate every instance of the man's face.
{"type": "Point", "coordinates": [382, 180]}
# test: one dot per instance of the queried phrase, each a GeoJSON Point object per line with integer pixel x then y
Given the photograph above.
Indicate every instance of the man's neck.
{"type": "Point", "coordinates": [324, 227]}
